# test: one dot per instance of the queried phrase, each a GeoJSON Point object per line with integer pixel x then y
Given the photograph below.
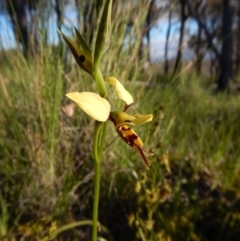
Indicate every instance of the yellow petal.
{"type": "Point", "coordinates": [141, 119]}
{"type": "Point", "coordinates": [121, 118]}
{"type": "Point", "coordinates": [121, 91]}
{"type": "Point", "coordinates": [93, 104]}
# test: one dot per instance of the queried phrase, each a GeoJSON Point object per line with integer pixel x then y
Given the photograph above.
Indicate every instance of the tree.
{"type": "Point", "coordinates": [166, 62]}
{"type": "Point", "coordinates": [184, 16]}
{"type": "Point", "coordinates": [18, 14]}
{"type": "Point", "coordinates": [226, 63]}
{"type": "Point", "coordinates": [237, 49]}
{"type": "Point", "coordinates": [224, 59]}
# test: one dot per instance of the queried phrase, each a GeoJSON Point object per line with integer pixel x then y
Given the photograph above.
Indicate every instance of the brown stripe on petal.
{"type": "Point", "coordinates": [132, 140]}
{"type": "Point", "coordinates": [127, 121]}
{"type": "Point", "coordinates": [133, 137]}
{"type": "Point", "coordinates": [125, 136]}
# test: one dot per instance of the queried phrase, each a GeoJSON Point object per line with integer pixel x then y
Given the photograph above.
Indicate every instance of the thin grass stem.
{"type": "Point", "coordinates": [97, 169]}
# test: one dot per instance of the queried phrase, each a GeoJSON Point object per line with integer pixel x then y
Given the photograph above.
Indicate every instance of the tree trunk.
{"type": "Point", "coordinates": [178, 62]}
{"type": "Point", "coordinates": [199, 53]}
{"type": "Point", "coordinates": [146, 32]}
{"type": "Point", "coordinates": [17, 11]}
{"type": "Point", "coordinates": [166, 63]}
{"type": "Point", "coordinates": [205, 29]}
{"type": "Point", "coordinates": [58, 11]}
{"type": "Point", "coordinates": [237, 64]}
{"type": "Point", "coordinates": [149, 21]}
{"type": "Point", "coordinates": [226, 63]}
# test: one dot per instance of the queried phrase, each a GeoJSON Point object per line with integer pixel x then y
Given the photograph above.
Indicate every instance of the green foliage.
{"type": "Point", "coordinates": [190, 191]}
{"type": "Point", "coordinates": [104, 33]}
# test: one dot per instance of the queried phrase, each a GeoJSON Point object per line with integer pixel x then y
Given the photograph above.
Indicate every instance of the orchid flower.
{"type": "Point", "coordinates": [100, 109]}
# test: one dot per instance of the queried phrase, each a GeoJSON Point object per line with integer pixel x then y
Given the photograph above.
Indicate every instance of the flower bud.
{"type": "Point", "coordinates": [83, 58]}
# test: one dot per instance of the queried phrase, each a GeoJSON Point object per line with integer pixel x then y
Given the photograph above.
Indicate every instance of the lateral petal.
{"type": "Point", "coordinates": [122, 118]}
{"type": "Point", "coordinates": [142, 119]}
{"type": "Point", "coordinates": [121, 91]}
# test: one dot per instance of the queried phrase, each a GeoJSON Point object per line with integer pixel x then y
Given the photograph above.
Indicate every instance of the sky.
{"type": "Point", "coordinates": [157, 33]}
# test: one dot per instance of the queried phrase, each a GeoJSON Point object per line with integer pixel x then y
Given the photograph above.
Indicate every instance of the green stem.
{"type": "Point", "coordinates": [96, 135]}
{"type": "Point", "coordinates": [102, 139]}
{"type": "Point", "coordinates": [101, 86]}
{"type": "Point", "coordinates": [96, 201]}
{"type": "Point", "coordinates": [97, 169]}
{"type": "Point", "coordinates": [97, 149]}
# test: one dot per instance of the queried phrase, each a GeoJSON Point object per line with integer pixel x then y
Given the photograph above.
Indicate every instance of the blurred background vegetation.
{"type": "Point", "coordinates": [191, 191]}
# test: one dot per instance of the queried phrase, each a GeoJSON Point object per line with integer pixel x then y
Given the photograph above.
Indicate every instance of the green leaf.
{"type": "Point", "coordinates": [104, 32]}
{"type": "Point", "coordinates": [82, 43]}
